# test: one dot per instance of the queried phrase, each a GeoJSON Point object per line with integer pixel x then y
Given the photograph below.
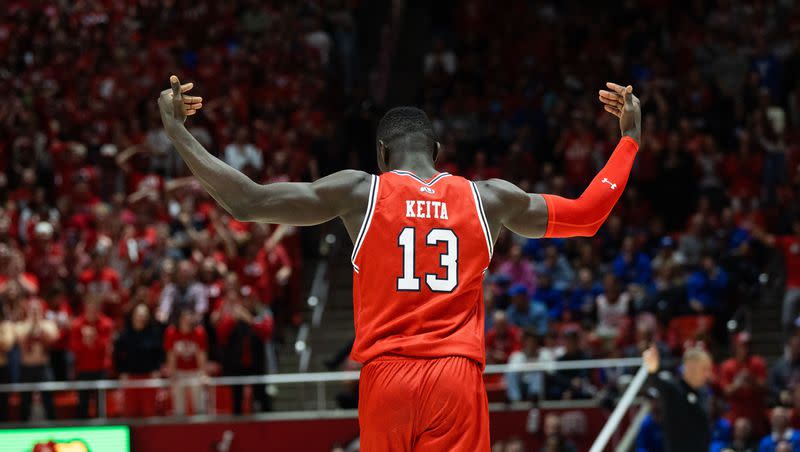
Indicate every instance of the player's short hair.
{"type": "Point", "coordinates": [401, 121]}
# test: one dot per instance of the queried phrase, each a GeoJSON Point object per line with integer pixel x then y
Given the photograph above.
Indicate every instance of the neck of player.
{"type": "Point", "coordinates": [419, 162]}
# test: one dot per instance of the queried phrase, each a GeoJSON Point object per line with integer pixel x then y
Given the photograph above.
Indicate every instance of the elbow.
{"type": "Point", "coordinates": [238, 213]}
{"type": "Point", "coordinates": [240, 210]}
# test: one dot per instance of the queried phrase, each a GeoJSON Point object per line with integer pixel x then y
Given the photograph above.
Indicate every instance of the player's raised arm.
{"type": "Point", "coordinates": [292, 203]}
{"type": "Point", "coordinates": [534, 215]}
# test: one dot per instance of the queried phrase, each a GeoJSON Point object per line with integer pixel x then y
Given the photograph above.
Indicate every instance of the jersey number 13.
{"type": "Point", "coordinates": [448, 260]}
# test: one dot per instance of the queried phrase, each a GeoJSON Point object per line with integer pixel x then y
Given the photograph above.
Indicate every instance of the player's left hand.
{"type": "Point", "coordinates": [175, 106]}
{"type": "Point", "coordinates": [621, 102]}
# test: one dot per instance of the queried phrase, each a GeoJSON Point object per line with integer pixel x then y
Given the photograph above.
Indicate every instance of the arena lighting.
{"type": "Point", "coordinates": [313, 300]}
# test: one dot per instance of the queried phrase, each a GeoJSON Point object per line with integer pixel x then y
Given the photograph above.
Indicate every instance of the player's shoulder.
{"type": "Point", "coordinates": [345, 183]}
{"type": "Point", "coordinates": [499, 192]}
{"type": "Point", "coordinates": [349, 177]}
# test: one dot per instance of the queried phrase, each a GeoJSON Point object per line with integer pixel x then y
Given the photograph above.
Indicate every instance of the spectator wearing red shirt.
{"type": "Point", "coordinates": [103, 282]}
{"type": "Point", "coordinates": [187, 352]}
{"type": "Point", "coordinates": [90, 337]}
{"type": "Point", "coordinates": [242, 329]}
{"type": "Point", "coordinates": [44, 256]}
{"type": "Point", "coordinates": [743, 380]}
{"type": "Point", "coordinates": [790, 247]}
{"type": "Point", "coordinates": [502, 339]}
{"type": "Point", "coordinates": [138, 355]}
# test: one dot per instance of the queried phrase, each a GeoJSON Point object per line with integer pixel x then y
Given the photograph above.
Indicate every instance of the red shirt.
{"type": "Point", "coordinates": [227, 322]}
{"type": "Point", "coordinates": [790, 245]}
{"type": "Point", "coordinates": [508, 343]}
{"type": "Point", "coordinates": [104, 282]}
{"type": "Point", "coordinates": [91, 355]}
{"type": "Point", "coordinates": [418, 266]}
{"type": "Point", "coordinates": [748, 401]}
{"type": "Point", "coordinates": [185, 346]}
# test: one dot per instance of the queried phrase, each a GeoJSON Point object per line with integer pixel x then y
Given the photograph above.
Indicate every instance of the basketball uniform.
{"type": "Point", "coordinates": [419, 261]}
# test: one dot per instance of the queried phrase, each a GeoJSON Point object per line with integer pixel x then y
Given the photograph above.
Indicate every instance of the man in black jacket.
{"type": "Point", "coordinates": [687, 426]}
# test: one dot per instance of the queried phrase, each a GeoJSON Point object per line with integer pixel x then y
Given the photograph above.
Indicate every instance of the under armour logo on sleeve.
{"type": "Point", "coordinates": [611, 184]}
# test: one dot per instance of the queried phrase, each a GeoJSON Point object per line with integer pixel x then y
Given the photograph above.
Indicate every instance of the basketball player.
{"type": "Point", "coordinates": [422, 241]}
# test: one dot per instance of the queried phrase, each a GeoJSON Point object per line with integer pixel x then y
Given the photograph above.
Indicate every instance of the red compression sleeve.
{"type": "Point", "coordinates": [585, 215]}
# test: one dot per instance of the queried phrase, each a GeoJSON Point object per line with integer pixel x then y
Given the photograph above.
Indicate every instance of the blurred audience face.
{"type": "Point", "coordinates": [778, 419]}
{"type": "Point", "coordinates": [611, 286]}
{"type": "Point", "coordinates": [500, 323]}
{"type": "Point", "coordinates": [515, 445]}
{"type": "Point", "coordinates": [552, 425]}
{"type": "Point", "coordinates": [167, 269]}
{"type": "Point", "coordinates": [531, 345]}
{"type": "Point", "coordinates": [140, 317]}
{"type": "Point", "coordinates": [91, 308]}
{"type": "Point", "coordinates": [741, 347]}
{"type": "Point", "coordinates": [185, 273]}
{"type": "Point", "coordinates": [742, 430]}
{"type": "Point", "coordinates": [186, 321]}
{"type": "Point", "coordinates": [515, 253]}
{"type": "Point", "coordinates": [783, 446]}
{"type": "Point", "coordinates": [585, 277]}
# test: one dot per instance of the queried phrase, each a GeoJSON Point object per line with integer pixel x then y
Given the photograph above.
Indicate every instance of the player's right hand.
{"type": "Point", "coordinates": [622, 103]}
{"type": "Point", "coordinates": [175, 106]}
{"type": "Point", "coordinates": [652, 361]}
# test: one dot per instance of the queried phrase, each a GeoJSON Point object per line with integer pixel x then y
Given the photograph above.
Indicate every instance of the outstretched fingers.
{"type": "Point", "coordinates": [611, 98]}
{"type": "Point", "coordinates": [613, 110]}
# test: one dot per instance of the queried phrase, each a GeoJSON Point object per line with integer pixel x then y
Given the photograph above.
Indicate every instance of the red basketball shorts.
{"type": "Point", "coordinates": [423, 405]}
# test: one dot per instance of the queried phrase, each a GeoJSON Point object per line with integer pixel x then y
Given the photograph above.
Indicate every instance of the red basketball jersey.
{"type": "Point", "coordinates": [418, 263]}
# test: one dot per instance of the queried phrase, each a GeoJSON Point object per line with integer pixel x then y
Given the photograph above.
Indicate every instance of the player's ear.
{"type": "Point", "coordinates": [383, 156]}
{"type": "Point", "coordinates": [436, 148]}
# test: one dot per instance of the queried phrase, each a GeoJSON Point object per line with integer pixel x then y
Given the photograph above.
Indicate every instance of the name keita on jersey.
{"type": "Point", "coordinates": [426, 209]}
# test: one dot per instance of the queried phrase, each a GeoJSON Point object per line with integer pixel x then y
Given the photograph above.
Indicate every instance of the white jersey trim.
{"type": "Point", "coordinates": [373, 199]}
{"type": "Point", "coordinates": [437, 178]}
{"type": "Point", "coordinates": [476, 196]}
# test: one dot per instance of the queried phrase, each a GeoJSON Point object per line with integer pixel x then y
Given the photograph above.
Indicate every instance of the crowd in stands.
{"type": "Point", "coordinates": [113, 262]}
{"type": "Point", "coordinates": [713, 197]}
{"type": "Point", "coordinates": [108, 250]}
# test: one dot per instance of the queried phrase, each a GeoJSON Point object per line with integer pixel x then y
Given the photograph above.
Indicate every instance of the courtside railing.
{"type": "Point", "coordinates": [321, 378]}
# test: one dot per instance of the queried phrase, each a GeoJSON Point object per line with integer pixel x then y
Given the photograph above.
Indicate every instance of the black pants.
{"type": "Point", "coordinates": [259, 391]}
{"type": "Point", "coordinates": [37, 374]}
{"type": "Point", "coordinates": [58, 362]}
{"type": "Point", "coordinates": [86, 395]}
{"type": "Point", "coordinates": [5, 378]}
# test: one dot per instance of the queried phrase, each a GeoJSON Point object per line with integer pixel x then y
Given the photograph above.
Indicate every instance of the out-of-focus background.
{"type": "Point", "coordinates": [116, 266]}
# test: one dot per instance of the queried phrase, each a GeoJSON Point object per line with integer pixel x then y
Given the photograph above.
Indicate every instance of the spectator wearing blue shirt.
{"type": "Point", "coordinates": [581, 300]}
{"type": "Point", "coordinates": [557, 266]}
{"type": "Point", "coordinates": [779, 420]}
{"type": "Point", "coordinates": [742, 440]}
{"type": "Point", "coordinates": [721, 431]}
{"type": "Point", "coordinates": [706, 286]}
{"type": "Point", "coordinates": [526, 313]}
{"type": "Point", "coordinates": [651, 434]}
{"type": "Point", "coordinates": [632, 266]}
{"type": "Point", "coordinates": [553, 299]}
